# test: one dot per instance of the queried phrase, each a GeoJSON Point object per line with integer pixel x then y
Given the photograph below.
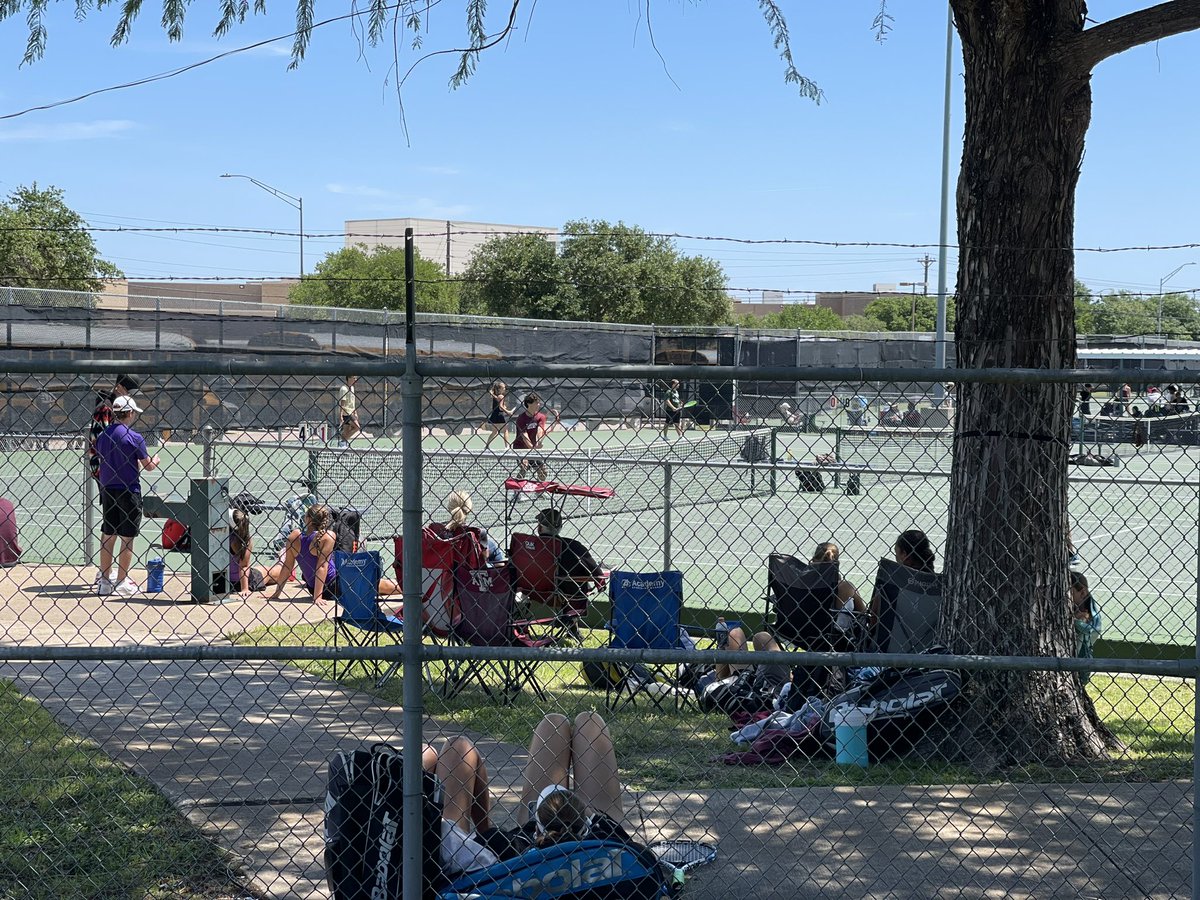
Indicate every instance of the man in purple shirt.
{"type": "Point", "coordinates": [122, 453]}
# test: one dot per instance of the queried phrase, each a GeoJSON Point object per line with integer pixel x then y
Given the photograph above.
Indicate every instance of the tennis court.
{"type": "Point", "coordinates": [1135, 526]}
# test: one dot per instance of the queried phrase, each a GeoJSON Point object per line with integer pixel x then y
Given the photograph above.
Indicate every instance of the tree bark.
{"type": "Point", "coordinates": [1028, 110]}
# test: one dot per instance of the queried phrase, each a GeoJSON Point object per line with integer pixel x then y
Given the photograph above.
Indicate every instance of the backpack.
{"type": "Point", "coordinates": [175, 536]}
{"type": "Point", "coordinates": [346, 526]}
{"type": "Point", "coordinates": [610, 676]}
{"type": "Point", "coordinates": [754, 449]}
{"type": "Point", "coordinates": [363, 826]}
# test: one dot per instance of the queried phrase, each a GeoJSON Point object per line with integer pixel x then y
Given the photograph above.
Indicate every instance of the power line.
{"type": "Point", "coordinates": [123, 229]}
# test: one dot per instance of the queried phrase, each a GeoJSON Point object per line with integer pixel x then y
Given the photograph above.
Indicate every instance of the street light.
{"type": "Point", "coordinates": [1163, 281]}
{"type": "Point", "coordinates": [293, 202]}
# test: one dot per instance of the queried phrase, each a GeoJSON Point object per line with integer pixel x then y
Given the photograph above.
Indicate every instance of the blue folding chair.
{"type": "Point", "coordinates": [361, 621]}
{"type": "Point", "coordinates": [646, 608]}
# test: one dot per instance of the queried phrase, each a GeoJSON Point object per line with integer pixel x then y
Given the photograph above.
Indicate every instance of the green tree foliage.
{"type": "Point", "coordinates": [619, 273]}
{"type": "Point", "coordinates": [1124, 313]}
{"type": "Point", "coordinates": [45, 244]}
{"type": "Point", "coordinates": [1083, 309]}
{"type": "Point", "coordinates": [517, 276]}
{"type": "Point", "coordinates": [357, 279]}
{"type": "Point", "coordinates": [901, 311]}
{"type": "Point", "coordinates": [797, 316]}
{"type": "Point", "coordinates": [604, 273]}
{"type": "Point", "coordinates": [864, 324]}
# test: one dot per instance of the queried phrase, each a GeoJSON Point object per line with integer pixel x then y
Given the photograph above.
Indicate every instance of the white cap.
{"type": "Point", "coordinates": [125, 403]}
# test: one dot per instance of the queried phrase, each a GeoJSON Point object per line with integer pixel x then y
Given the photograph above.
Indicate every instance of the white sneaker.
{"type": "Point", "coordinates": [104, 587]}
{"type": "Point", "coordinates": [127, 588]}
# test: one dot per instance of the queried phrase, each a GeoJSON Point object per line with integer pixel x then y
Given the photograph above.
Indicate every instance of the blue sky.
{"type": "Point", "coordinates": [576, 116]}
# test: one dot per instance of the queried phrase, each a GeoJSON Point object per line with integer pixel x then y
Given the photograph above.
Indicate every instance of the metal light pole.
{"type": "Point", "coordinates": [943, 231]}
{"type": "Point", "coordinates": [1163, 281]}
{"type": "Point", "coordinates": [293, 202]}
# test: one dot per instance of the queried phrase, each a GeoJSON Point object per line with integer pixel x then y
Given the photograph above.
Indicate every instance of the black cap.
{"type": "Point", "coordinates": [128, 382]}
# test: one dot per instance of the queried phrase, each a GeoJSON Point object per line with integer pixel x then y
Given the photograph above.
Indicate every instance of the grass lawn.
{"type": "Point", "coordinates": [663, 750]}
{"type": "Point", "coordinates": [77, 825]}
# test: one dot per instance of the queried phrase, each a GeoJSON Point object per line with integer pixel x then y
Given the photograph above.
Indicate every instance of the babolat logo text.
{"type": "Point", "coordinates": [644, 584]}
{"type": "Point", "coordinates": [915, 700]}
{"type": "Point", "coordinates": [607, 865]}
{"type": "Point", "coordinates": [387, 843]}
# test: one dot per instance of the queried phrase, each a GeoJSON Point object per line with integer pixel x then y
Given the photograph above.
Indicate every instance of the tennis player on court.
{"type": "Point", "coordinates": [348, 405]}
{"type": "Point", "coordinates": [674, 409]}
{"type": "Point", "coordinates": [531, 431]}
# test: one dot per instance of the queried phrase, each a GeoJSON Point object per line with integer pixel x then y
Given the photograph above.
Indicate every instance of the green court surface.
{"type": "Point", "coordinates": [1135, 526]}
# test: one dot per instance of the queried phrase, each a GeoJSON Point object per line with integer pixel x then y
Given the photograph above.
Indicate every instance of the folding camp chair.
{"type": "Point", "coordinates": [534, 560]}
{"type": "Point", "coordinates": [802, 610]}
{"type": "Point", "coordinates": [909, 609]}
{"type": "Point", "coordinates": [361, 621]}
{"type": "Point", "coordinates": [439, 606]}
{"type": "Point", "coordinates": [486, 602]}
{"type": "Point", "coordinates": [646, 608]}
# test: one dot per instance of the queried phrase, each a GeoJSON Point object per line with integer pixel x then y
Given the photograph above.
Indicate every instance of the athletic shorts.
{"type": "Point", "coordinates": [122, 512]}
{"type": "Point", "coordinates": [674, 416]}
{"type": "Point", "coordinates": [347, 420]}
{"type": "Point", "coordinates": [497, 418]}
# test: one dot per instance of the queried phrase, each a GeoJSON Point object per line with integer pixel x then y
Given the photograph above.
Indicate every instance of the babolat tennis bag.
{"type": "Point", "coordinates": [572, 870]}
{"type": "Point", "coordinates": [363, 833]}
{"type": "Point", "coordinates": [754, 449]}
{"type": "Point", "coordinates": [903, 704]}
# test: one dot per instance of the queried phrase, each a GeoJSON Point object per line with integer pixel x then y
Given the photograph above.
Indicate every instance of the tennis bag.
{"type": "Point", "coordinates": [363, 833]}
{"type": "Point", "coordinates": [903, 704]}
{"type": "Point", "coordinates": [609, 869]}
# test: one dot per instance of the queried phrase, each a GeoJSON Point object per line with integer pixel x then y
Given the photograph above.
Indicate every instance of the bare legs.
{"type": "Point", "coordinates": [737, 641]}
{"type": "Point", "coordinates": [463, 774]}
{"type": "Point", "coordinates": [108, 544]}
{"type": "Point", "coordinates": [585, 750]}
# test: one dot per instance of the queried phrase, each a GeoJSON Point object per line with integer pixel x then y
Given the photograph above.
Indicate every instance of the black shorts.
{"type": "Point", "coordinates": [497, 418]}
{"type": "Point", "coordinates": [347, 420]}
{"type": "Point", "coordinates": [122, 512]}
{"type": "Point", "coordinates": [674, 416]}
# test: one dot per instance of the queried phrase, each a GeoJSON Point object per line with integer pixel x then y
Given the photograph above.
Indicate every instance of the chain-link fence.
{"type": "Point", "coordinates": [728, 637]}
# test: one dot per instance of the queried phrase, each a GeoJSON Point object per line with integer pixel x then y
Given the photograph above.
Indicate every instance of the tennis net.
{"type": "Point", "coordinates": [901, 450]}
{"type": "Point", "coordinates": [712, 467]}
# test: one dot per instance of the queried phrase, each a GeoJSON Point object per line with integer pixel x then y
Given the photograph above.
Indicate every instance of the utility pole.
{"type": "Point", "coordinates": [926, 261]}
{"type": "Point", "coordinates": [447, 248]}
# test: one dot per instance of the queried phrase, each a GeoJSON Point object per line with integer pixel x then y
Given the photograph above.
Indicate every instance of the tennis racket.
{"type": "Point", "coordinates": [690, 404]}
{"type": "Point", "coordinates": [683, 854]}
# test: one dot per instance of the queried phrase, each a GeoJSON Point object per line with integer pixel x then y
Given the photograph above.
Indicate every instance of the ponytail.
{"type": "Point", "coordinates": [459, 506]}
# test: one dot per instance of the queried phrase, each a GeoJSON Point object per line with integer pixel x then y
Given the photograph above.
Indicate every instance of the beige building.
{"type": "Point", "coordinates": [846, 303]}
{"type": "Point", "coordinates": [450, 244]}
{"type": "Point", "coordinates": [179, 296]}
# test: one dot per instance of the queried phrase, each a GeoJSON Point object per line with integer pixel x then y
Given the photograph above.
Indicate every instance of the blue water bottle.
{"type": "Point", "coordinates": [156, 571]}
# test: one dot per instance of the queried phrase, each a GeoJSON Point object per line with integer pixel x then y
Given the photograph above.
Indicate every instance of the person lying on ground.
{"type": "Point", "coordinates": [570, 791]}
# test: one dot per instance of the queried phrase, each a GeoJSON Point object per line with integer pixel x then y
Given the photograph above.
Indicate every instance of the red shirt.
{"type": "Point", "coordinates": [529, 426]}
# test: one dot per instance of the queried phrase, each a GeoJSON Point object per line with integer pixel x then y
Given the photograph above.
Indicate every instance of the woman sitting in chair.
{"type": "Point", "coordinates": [850, 605]}
{"type": "Point", "coordinates": [912, 550]}
{"type": "Point", "coordinates": [577, 569]}
{"type": "Point", "coordinates": [459, 508]}
{"type": "Point", "coordinates": [571, 792]}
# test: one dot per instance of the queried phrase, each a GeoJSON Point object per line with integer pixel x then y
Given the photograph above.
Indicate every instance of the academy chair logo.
{"type": "Point", "coordinates": [644, 584]}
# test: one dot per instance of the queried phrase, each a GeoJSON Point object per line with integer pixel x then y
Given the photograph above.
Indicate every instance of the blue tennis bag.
{"type": "Point", "coordinates": [364, 838]}
{"type": "Point", "coordinates": [572, 870]}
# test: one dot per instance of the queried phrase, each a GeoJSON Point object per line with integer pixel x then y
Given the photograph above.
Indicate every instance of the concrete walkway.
{"type": "Point", "coordinates": [242, 750]}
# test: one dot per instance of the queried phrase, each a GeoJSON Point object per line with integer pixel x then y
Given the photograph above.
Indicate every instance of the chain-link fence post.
{"type": "Point", "coordinates": [206, 439]}
{"type": "Point", "coordinates": [1196, 736]}
{"type": "Point", "coordinates": [666, 516]}
{"type": "Point", "coordinates": [89, 504]}
{"type": "Point", "coordinates": [411, 514]}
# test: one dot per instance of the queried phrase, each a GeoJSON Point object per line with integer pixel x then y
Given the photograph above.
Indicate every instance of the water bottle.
{"type": "Point", "coordinates": [722, 630]}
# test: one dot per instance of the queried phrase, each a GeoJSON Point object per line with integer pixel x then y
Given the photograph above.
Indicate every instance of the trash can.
{"type": "Point", "coordinates": [850, 734]}
{"type": "Point", "coordinates": [156, 571]}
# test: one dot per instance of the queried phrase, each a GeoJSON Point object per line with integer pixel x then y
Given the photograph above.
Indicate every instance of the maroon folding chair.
{"type": "Point", "coordinates": [486, 602]}
{"type": "Point", "coordinates": [536, 575]}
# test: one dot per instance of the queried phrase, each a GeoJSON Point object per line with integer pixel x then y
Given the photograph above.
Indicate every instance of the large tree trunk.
{"type": "Point", "coordinates": [1006, 556]}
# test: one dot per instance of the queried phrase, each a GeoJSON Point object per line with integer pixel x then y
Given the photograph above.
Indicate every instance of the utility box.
{"type": "Point", "coordinates": [205, 514]}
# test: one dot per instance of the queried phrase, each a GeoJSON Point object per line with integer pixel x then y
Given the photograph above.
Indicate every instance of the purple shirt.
{"type": "Point", "coordinates": [307, 561]}
{"type": "Point", "coordinates": [120, 449]}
